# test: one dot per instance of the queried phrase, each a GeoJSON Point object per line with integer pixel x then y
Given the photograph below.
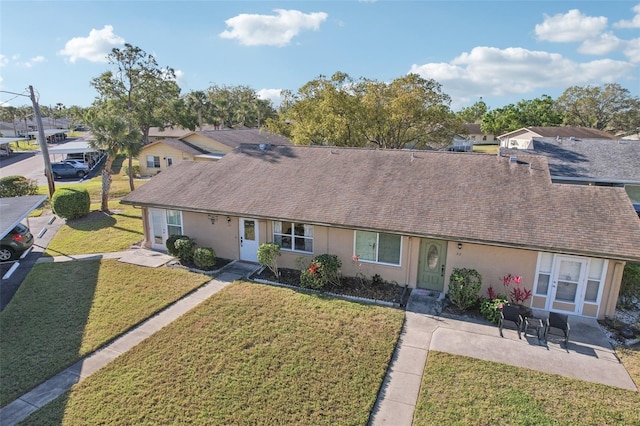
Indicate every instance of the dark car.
{"type": "Point", "coordinates": [61, 170]}
{"type": "Point", "coordinates": [15, 243]}
{"type": "Point", "coordinates": [636, 206]}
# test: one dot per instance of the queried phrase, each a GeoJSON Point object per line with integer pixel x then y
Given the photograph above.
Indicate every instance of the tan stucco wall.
{"type": "Point", "coordinates": [207, 144]}
{"type": "Point", "coordinates": [160, 150]}
{"type": "Point", "coordinates": [491, 262]}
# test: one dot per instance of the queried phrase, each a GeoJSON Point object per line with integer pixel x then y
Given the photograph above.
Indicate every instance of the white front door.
{"type": "Point", "coordinates": [158, 228]}
{"type": "Point", "coordinates": [249, 240]}
{"type": "Point", "coordinates": [567, 284]}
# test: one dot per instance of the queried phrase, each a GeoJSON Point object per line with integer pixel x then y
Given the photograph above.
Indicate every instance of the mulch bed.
{"type": "Point", "coordinates": [351, 286]}
{"type": "Point", "coordinates": [220, 262]}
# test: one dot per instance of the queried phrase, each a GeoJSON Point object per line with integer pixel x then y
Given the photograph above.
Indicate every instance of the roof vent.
{"type": "Point", "coordinates": [263, 146]}
{"type": "Point", "coordinates": [513, 159]}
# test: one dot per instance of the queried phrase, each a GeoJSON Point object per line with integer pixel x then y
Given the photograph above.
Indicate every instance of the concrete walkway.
{"type": "Point", "coordinates": [63, 381]}
{"type": "Point", "coordinates": [589, 356]}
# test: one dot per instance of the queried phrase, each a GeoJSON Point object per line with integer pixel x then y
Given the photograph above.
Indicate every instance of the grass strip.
{"type": "Point", "coordinates": [251, 354]}
{"type": "Point", "coordinates": [63, 311]}
{"type": "Point", "coordinates": [458, 390]}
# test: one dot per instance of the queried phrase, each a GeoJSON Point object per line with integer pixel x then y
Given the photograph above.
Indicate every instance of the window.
{"type": "Point", "coordinates": [293, 236]}
{"type": "Point", "coordinates": [169, 161]}
{"type": "Point", "coordinates": [544, 274]}
{"type": "Point", "coordinates": [153, 162]}
{"type": "Point", "coordinates": [377, 247]}
{"type": "Point", "coordinates": [594, 279]}
{"type": "Point", "coordinates": [174, 222]}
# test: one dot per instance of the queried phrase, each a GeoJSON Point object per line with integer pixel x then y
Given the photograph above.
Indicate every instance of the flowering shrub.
{"type": "Point", "coordinates": [517, 294]}
{"type": "Point", "coordinates": [324, 269]}
{"type": "Point", "coordinates": [490, 308]}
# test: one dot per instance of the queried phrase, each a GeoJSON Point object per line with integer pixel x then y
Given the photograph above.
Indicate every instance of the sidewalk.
{"type": "Point", "coordinates": [46, 392]}
{"type": "Point", "coordinates": [588, 357]}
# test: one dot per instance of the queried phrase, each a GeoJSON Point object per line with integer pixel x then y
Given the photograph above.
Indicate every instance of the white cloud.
{"type": "Point", "coordinates": [274, 95]}
{"type": "Point", "coordinates": [490, 71]}
{"type": "Point", "coordinates": [632, 50]}
{"type": "Point", "coordinates": [94, 48]}
{"type": "Point", "coordinates": [601, 45]}
{"type": "Point", "coordinates": [4, 61]}
{"type": "Point", "coordinates": [572, 26]}
{"type": "Point", "coordinates": [633, 23]}
{"type": "Point", "coordinates": [271, 30]}
{"type": "Point", "coordinates": [29, 63]}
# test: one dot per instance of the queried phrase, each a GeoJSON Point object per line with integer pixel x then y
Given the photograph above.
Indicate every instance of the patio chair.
{"type": "Point", "coordinates": [511, 313]}
{"type": "Point", "coordinates": [560, 322]}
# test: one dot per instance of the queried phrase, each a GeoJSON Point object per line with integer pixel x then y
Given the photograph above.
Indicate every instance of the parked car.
{"type": "Point", "coordinates": [61, 170]}
{"type": "Point", "coordinates": [78, 164]}
{"type": "Point", "coordinates": [5, 151]}
{"type": "Point", "coordinates": [15, 243]}
{"type": "Point", "coordinates": [636, 206]}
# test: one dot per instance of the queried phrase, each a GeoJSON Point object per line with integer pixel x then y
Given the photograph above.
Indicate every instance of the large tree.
{"type": "Point", "coordinates": [610, 107]}
{"type": "Point", "coordinates": [473, 113]}
{"type": "Point", "coordinates": [536, 112]}
{"type": "Point", "coordinates": [142, 92]}
{"type": "Point", "coordinates": [409, 112]}
{"type": "Point", "coordinates": [229, 106]}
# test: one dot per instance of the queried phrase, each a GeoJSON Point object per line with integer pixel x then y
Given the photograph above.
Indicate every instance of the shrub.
{"type": "Point", "coordinates": [490, 308]}
{"type": "Point", "coordinates": [629, 295]}
{"type": "Point", "coordinates": [324, 269]}
{"type": "Point", "coordinates": [464, 287]}
{"type": "Point", "coordinates": [171, 248]}
{"type": "Point", "coordinates": [185, 248]}
{"type": "Point", "coordinates": [268, 256]}
{"type": "Point", "coordinates": [17, 186]}
{"type": "Point", "coordinates": [71, 203]}
{"type": "Point", "coordinates": [204, 258]}
{"type": "Point", "coordinates": [135, 168]}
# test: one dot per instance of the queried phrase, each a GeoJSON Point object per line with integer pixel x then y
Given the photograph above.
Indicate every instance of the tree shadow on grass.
{"type": "Point", "coordinates": [92, 222]}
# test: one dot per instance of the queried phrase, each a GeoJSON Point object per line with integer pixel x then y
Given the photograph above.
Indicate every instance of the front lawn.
{"type": "Point", "coordinates": [63, 311]}
{"type": "Point", "coordinates": [251, 354]}
{"type": "Point", "coordinates": [98, 232]}
{"type": "Point", "coordinates": [468, 391]}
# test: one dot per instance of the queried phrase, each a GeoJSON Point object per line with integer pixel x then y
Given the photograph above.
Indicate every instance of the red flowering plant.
{"type": "Point", "coordinates": [517, 294]}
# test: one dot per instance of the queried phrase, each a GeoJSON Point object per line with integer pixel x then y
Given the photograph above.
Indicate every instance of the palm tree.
{"type": "Point", "coordinates": [112, 134]}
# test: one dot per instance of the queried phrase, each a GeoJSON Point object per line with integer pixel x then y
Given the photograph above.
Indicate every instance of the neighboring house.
{"type": "Point", "coordinates": [411, 217]}
{"type": "Point", "coordinates": [202, 145]}
{"type": "Point", "coordinates": [478, 137]}
{"type": "Point", "coordinates": [604, 162]}
{"type": "Point", "coordinates": [523, 138]}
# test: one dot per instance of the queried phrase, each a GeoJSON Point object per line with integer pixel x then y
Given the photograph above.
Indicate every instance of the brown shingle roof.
{"type": "Point", "coordinates": [233, 138]}
{"type": "Point", "coordinates": [458, 196]}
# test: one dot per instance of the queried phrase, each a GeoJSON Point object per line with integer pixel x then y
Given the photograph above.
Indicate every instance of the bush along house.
{"type": "Point", "coordinates": [409, 216]}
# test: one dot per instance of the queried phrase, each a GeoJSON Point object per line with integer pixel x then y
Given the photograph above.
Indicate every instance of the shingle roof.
{"type": "Point", "coordinates": [562, 132]}
{"type": "Point", "coordinates": [233, 138]}
{"type": "Point", "coordinates": [459, 196]}
{"type": "Point", "coordinates": [600, 160]}
{"type": "Point", "coordinates": [176, 132]}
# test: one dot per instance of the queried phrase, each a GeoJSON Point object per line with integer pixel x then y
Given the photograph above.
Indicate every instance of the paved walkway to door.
{"type": "Point", "coordinates": [589, 356]}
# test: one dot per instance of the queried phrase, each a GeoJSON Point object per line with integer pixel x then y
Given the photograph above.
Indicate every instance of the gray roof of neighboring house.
{"type": "Point", "coordinates": [181, 145]}
{"type": "Point", "coordinates": [473, 128]}
{"type": "Point", "coordinates": [562, 132]}
{"type": "Point", "coordinates": [168, 132]}
{"type": "Point", "coordinates": [598, 160]}
{"type": "Point", "coordinates": [466, 197]}
{"type": "Point", "coordinates": [233, 138]}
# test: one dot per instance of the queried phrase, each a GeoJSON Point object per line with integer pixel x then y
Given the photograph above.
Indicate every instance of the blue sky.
{"type": "Point", "coordinates": [502, 51]}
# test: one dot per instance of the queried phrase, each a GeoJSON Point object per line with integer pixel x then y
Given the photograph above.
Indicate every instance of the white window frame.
{"type": "Point", "coordinates": [152, 163]}
{"type": "Point", "coordinates": [293, 235]}
{"type": "Point", "coordinates": [377, 245]}
{"type": "Point", "coordinates": [168, 214]}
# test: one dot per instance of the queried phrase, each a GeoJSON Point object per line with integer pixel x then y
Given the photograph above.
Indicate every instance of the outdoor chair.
{"type": "Point", "coordinates": [560, 322]}
{"type": "Point", "coordinates": [511, 313]}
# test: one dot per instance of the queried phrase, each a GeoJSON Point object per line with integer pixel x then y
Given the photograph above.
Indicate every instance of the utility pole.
{"type": "Point", "coordinates": [43, 144]}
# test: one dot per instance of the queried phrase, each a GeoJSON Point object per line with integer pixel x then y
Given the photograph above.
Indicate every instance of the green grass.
{"type": "Point", "coordinates": [63, 311]}
{"type": "Point", "coordinates": [25, 145]}
{"type": "Point", "coordinates": [486, 149]}
{"type": "Point", "coordinates": [634, 192]}
{"type": "Point", "coordinates": [458, 390]}
{"type": "Point", "coordinates": [99, 232]}
{"type": "Point", "coordinates": [251, 354]}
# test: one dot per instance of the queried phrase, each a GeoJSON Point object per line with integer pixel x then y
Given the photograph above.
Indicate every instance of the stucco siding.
{"type": "Point", "coordinates": [163, 152]}
{"type": "Point", "coordinates": [207, 144]}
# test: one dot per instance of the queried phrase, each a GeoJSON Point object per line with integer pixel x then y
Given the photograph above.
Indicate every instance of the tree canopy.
{"type": "Point", "coordinates": [409, 112]}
